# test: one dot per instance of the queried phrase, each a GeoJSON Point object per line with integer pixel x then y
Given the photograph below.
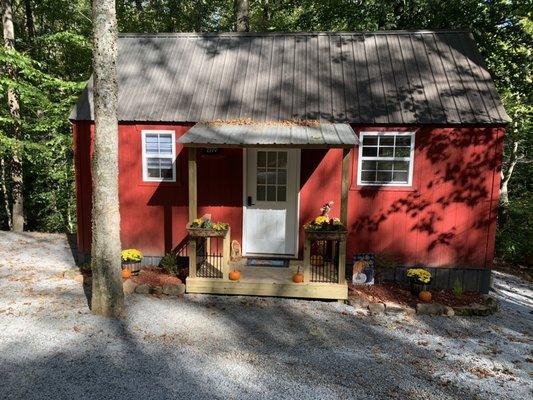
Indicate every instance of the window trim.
{"type": "Point", "coordinates": [145, 176]}
{"type": "Point", "coordinates": [411, 158]}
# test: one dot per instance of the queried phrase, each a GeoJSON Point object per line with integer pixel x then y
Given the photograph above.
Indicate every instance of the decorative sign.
{"type": "Point", "coordinates": [363, 269]}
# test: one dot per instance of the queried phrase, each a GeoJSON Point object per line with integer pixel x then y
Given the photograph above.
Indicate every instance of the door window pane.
{"type": "Point", "coordinates": [271, 176]}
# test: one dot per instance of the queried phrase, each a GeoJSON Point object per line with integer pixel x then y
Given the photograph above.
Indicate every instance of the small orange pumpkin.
{"type": "Point", "coordinates": [234, 275]}
{"type": "Point", "coordinates": [126, 273]}
{"type": "Point", "coordinates": [297, 277]}
{"type": "Point", "coordinates": [425, 296]}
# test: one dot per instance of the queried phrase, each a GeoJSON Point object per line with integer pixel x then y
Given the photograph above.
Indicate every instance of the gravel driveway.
{"type": "Point", "coordinates": [217, 347]}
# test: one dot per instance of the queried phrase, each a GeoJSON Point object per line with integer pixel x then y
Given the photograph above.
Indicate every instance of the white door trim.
{"type": "Point", "coordinates": [298, 155]}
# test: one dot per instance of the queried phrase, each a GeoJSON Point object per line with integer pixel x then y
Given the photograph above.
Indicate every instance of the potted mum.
{"type": "Point", "coordinates": [325, 228]}
{"type": "Point", "coordinates": [131, 259]}
{"type": "Point", "coordinates": [419, 278]}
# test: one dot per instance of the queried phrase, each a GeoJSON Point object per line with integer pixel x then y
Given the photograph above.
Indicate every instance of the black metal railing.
{"type": "Point", "coordinates": [209, 257]}
{"type": "Point", "coordinates": [325, 261]}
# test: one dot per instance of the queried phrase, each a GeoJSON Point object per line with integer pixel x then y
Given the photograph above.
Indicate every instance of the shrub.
{"type": "Point", "coordinates": [169, 263]}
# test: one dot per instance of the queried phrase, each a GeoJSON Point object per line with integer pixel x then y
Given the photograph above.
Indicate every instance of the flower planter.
{"type": "Point", "coordinates": [416, 286]}
{"type": "Point", "coordinates": [206, 232]}
{"type": "Point", "coordinates": [326, 235]}
{"type": "Point", "coordinates": [133, 266]}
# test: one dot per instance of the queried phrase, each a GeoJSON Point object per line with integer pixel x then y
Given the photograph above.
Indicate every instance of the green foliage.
{"type": "Point", "coordinates": [169, 263]}
{"type": "Point", "coordinates": [457, 288]}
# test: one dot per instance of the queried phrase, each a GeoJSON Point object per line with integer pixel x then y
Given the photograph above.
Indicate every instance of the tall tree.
{"type": "Point", "coordinates": [17, 212]}
{"type": "Point", "coordinates": [107, 294]}
{"type": "Point", "coordinates": [242, 15]}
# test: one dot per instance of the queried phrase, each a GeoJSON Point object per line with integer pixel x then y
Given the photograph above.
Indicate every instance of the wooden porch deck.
{"type": "Point", "coordinates": [268, 281]}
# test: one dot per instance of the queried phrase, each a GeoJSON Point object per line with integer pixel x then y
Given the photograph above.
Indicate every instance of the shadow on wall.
{"type": "Point", "coordinates": [219, 188]}
{"type": "Point", "coordinates": [462, 164]}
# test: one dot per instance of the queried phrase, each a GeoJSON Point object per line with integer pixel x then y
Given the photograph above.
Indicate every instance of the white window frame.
{"type": "Point", "coordinates": [362, 158]}
{"type": "Point", "coordinates": [146, 178]}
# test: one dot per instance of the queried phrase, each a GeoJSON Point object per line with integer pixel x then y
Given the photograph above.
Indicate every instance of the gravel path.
{"type": "Point", "coordinates": [216, 347]}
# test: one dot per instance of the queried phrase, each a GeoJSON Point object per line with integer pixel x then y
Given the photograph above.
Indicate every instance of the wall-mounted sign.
{"type": "Point", "coordinates": [211, 150]}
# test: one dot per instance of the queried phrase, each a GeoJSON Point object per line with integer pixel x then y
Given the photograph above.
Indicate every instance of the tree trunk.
{"type": "Point", "coordinates": [242, 17]}
{"type": "Point", "coordinates": [107, 294]}
{"type": "Point", "coordinates": [30, 26]}
{"type": "Point", "coordinates": [4, 191]}
{"type": "Point", "coordinates": [17, 212]}
{"type": "Point", "coordinates": [504, 186]}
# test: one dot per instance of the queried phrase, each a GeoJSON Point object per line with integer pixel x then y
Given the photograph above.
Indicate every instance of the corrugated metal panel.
{"type": "Point", "coordinates": [399, 77]}
{"type": "Point", "coordinates": [265, 134]}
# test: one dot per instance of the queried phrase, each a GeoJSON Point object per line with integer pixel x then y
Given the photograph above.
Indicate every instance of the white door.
{"type": "Point", "coordinates": [271, 201]}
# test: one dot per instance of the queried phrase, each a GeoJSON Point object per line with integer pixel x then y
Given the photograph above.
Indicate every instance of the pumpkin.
{"type": "Point", "coordinates": [297, 277]}
{"type": "Point", "coordinates": [234, 275]}
{"type": "Point", "coordinates": [425, 296]}
{"type": "Point", "coordinates": [126, 273]}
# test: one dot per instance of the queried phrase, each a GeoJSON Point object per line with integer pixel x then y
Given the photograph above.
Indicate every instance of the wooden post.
{"type": "Point", "coordinates": [307, 260]}
{"type": "Point", "coordinates": [226, 249]}
{"type": "Point", "coordinates": [345, 187]}
{"type": "Point", "coordinates": [192, 257]}
{"type": "Point", "coordinates": [193, 185]}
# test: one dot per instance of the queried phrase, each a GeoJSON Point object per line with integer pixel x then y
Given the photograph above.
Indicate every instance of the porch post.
{"type": "Point", "coordinates": [193, 199]}
{"type": "Point", "coordinates": [193, 209]}
{"type": "Point", "coordinates": [345, 186]}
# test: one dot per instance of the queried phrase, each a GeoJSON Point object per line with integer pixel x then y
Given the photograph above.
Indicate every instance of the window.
{"type": "Point", "coordinates": [159, 154]}
{"type": "Point", "coordinates": [271, 176]}
{"type": "Point", "coordinates": [386, 158]}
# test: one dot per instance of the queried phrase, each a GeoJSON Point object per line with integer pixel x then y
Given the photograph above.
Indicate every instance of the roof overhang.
{"type": "Point", "coordinates": [312, 134]}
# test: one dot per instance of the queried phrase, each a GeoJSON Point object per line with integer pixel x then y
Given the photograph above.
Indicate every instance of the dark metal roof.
{"type": "Point", "coordinates": [316, 135]}
{"type": "Point", "coordinates": [420, 77]}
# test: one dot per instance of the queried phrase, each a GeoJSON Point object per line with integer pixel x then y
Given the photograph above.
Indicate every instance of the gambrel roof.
{"type": "Point", "coordinates": [398, 77]}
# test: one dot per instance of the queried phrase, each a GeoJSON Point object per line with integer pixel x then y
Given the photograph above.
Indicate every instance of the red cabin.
{"type": "Point", "coordinates": [403, 131]}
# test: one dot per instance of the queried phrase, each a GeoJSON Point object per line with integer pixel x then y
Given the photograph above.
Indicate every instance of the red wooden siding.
{"type": "Point", "coordinates": [447, 218]}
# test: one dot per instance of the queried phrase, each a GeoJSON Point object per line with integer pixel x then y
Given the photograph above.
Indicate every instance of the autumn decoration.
{"type": "Point", "coordinates": [234, 275]}
{"type": "Point", "coordinates": [298, 277]}
{"type": "Point", "coordinates": [425, 296]}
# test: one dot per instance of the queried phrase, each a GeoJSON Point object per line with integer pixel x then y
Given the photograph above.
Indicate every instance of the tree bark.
{"type": "Point", "coordinates": [242, 15]}
{"type": "Point", "coordinates": [107, 293]}
{"type": "Point", "coordinates": [17, 213]}
{"type": "Point", "coordinates": [4, 191]}
{"type": "Point", "coordinates": [30, 26]}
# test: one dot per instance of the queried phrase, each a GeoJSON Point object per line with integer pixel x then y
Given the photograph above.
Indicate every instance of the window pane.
{"type": "Point", "coordinates": [165, 163]}
{"type": "Point", "coordinates": [261, 159]}
{"type": "Point", "coordinates": [282, 159]}
{"type": "Point", "coordinates": [386, 140]}
{"type": "Point", "coordinates": [403, 151]}
{"type": "Point", "coordinates": [165, 144]}
{"type": "Point", "coordinates": [153, 173]}
{"type": "Point", "coordinates": [281, 193]}
{"type": "Point", "coordinates": [368, 176]}
{"type": "Point", "coordinates": [282, 176]}
{"type": "Point", "coordinates": [400, 177]}
{"type": "Point", "coordinates": [370, 140]}
{"type": "Point", "coordinates": [261, 176]}
{"type": "Point", "coordinates": [384, 176]}
{"type": "Point", "coordinates": [370, 151]}
{"type": "Point", "coordinates": [386, 151]}
{"type": "Point", "coordinates": [272, 159]}
{"type": "Point", "coordinates": [403, 140]}
{"type": "Point", "coordinates": [271, 177]}
{"type": "Point", "coordinates": [166, 173]}
{"type": "Point", "coordinates": [260, 193]}
{"type": "Point", "coordinates": [385, 165]}
{"type": "Point", "coordinates": [401, 165]}
{"type": "Point", "coordinates": [271, 193]}
{"type": "Point", "coordinates": [369, 165]}
{"type": "Point", "coordinates": [151, 143]}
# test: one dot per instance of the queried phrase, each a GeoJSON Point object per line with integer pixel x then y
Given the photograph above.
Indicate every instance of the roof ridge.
{"type": "Point", "coordinates": [313, 33]}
